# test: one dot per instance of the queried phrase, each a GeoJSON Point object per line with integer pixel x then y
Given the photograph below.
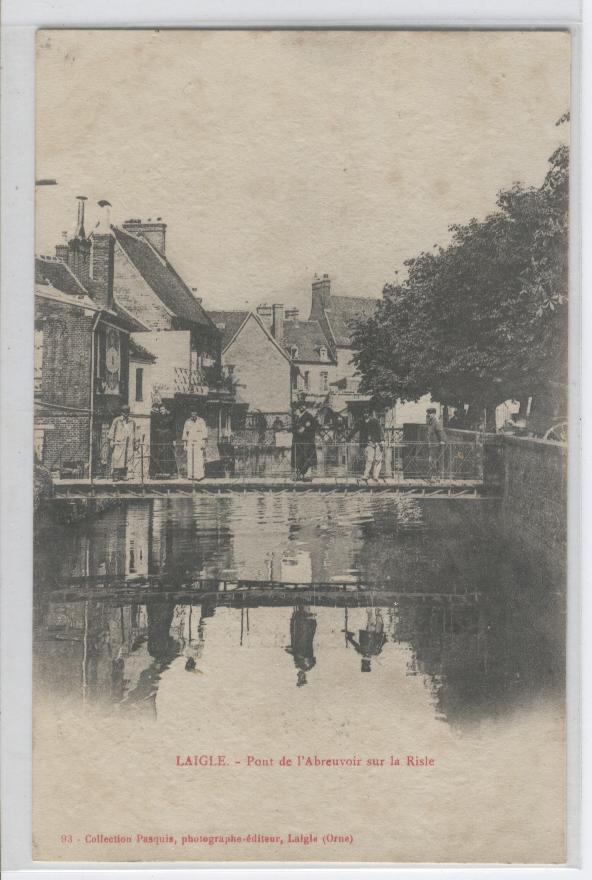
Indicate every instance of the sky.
{"type": "Point", "coordinates": [275, 155]}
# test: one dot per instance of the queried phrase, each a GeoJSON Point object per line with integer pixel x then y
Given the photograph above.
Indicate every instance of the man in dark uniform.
{"type": "Point", "coordinates": [304, 431]}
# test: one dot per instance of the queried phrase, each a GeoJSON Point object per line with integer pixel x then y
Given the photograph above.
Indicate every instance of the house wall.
{"type": "Point", "coordinates": [346, 369]}
{"type": "Point", "coordinates": [136, 295]}
{"type": "Point", "coordinates": [260, 368]}
{"type": "Point", "coordinates": [140, 407]}
{"type": "Point", "coordinates": [171, 349]}
{"type": "Point", "coordinates": [65, 382]}
{"type": "Point", "coordinates": [314, 370]}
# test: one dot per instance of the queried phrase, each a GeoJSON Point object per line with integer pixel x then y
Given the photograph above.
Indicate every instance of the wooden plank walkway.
{"type": "Point", "coordinates": [104, 488]}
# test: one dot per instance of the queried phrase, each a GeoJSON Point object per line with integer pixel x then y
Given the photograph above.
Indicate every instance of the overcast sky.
{"type": "Point", "coordinates": [275, 155]}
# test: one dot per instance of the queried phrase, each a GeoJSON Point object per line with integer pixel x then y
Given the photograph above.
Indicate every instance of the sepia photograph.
{"type": "Point", "coordinates": [300, 445]}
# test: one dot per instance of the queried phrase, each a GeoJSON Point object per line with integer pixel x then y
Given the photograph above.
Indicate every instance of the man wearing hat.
{"type": "Point", "coordinates": [436, 441]}
{"type": "Point", "coordinates": [304, 431]}
{"type": "Point", "coordinates": [123, 441]}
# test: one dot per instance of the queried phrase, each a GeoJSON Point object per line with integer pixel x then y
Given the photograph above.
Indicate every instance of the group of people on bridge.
{"type": "Point", "coordinates": [128, 446]}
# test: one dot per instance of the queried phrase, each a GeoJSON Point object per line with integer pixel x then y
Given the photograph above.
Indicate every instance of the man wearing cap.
{"type": "Point", "coordinates": [436, 441]}
{"type": "Point", "coordinates": [195, 434]}
{"type": "Point", "coordinates": [123, 441]}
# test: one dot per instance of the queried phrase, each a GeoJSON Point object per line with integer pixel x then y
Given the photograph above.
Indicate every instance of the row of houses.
{"type": "Point", "coordinates": [115, 324]}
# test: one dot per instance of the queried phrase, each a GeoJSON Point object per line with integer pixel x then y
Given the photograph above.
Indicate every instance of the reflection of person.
{"type": "Point", "coordinates": [370, 640]}
{"type": "Point", "coordinates": [304, 430]}
{"type": "Point", "coordinates": [371, 438]}
{"type": "Point", "coordinates": [122, 439]}
{"type": "Point", "coordinates": [303, 626]}
{"type": "Point", "coordinates": [195, 434]}
{"type": "Point", "coordinates": [436, 441]}
{"type": "Point", "coordinates": [161, 645]}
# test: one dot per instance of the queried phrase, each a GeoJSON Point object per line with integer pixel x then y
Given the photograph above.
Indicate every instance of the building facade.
{"type": "Point", "coordinates": [259, 366]}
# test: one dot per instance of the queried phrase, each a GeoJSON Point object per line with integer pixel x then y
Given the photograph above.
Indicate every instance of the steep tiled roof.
{"type": "Point", "coordinates": [308, 338]}
{"type": "Point", "coordinates": [228, 323]}
{"type": "Point", "coordinates": [342, 309]}
{"type": "Point", "coordinates": [57, 273]}
{"type": "Point", "coordinates": [162, 278]}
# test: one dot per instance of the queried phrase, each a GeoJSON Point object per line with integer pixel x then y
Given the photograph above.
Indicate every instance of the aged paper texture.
{"type": "Point", "coordinates": [300, 436]}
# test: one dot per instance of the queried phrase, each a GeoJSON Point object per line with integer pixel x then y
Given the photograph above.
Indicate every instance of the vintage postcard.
{"type": "Point", "coordinates": [301, 319]}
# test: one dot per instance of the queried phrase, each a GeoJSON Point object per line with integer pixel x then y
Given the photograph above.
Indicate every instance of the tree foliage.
{"type": "Point", "coordinates": [485, 318]}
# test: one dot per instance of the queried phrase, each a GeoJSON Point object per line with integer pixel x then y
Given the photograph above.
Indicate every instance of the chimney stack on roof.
{"type": "Point", "coordinates": [103, 257]}
{"type": "Point", "coordinates": [265, 314]}
{"type": "Point", "coordinates": [292, 313]}
{"type": "Point", "coordinates": [77, 251]}
{"type": "Point", "coordinates": [321, 289]}
{"type": "Point", "coordinates": [277, 327]}
{"type": "Point", "coordinates": [153, 231]}
{"type": "Point", "coordinates": [61, 250]}
{"type": "Point", "coordinates": [80, 233]}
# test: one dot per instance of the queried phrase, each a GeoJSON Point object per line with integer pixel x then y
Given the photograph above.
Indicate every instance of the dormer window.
{"type": "Point", "coordinates": [323, 353]}
{"type": "Point", "coordinates": [294, 351]}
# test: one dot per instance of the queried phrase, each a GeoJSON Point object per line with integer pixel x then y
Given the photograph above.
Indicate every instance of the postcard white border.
{"type": "Point", "coordinates": [21, 18]}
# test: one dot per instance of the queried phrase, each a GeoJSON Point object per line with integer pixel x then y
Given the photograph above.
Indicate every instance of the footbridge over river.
{"type": "Point", "coordinates": [437, 487]}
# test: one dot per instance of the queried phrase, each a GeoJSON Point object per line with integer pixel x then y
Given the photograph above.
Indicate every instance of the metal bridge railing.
{"type": "Point", "coordinates": [400, 460]}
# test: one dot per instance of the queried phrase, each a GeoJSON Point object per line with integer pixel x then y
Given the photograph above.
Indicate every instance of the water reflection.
{"type": "Point", "coordinates": [160, 592]}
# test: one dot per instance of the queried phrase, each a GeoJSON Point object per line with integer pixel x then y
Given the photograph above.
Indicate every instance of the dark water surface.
{"type": "Point", "coordinates": [351, 589]}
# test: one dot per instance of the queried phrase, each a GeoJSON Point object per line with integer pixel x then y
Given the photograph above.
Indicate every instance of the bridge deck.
{"type": "Point", "coordinates": [104, 488]}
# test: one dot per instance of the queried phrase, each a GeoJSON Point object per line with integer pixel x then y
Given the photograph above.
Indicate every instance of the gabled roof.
{"type": "Point", "coordinates": [308, 338]}
{"type": "Point", "coordinates": [59, 275]}
{"type": "Point", "coordinates": [340, 310]}
{"type": "Point", "coordinates": [228, 323]}
{"type": "Point", "coordinates": [162, 278]}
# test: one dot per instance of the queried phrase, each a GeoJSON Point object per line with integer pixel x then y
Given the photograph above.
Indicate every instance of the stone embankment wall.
{"type": "Point", "coordinates": [534, 497]}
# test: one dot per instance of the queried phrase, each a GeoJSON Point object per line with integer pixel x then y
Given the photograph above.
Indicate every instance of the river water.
{"type": "Point", "coordinates": [298, 624]}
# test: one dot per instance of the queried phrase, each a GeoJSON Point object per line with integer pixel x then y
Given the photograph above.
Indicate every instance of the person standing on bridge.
{"type": "Point", "coordinates": [436, 442]}
{"type": "Point", "coordinates": [195, 434]}
{"type": "Point", "coordinates": [304, 433]}
{"type": "Point", "coordinates": [371, 438]}
{"type": "Point", "coordinates": [123, 441]}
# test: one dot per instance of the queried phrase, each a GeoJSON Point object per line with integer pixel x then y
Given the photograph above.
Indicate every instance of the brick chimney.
{"type": "Point", "coordinates": [321, 290]}
{"type": "Point", "coordinates": [61, 250]}
{"type": "Point", "coordinates": [153, 231]}
{"type": "Point", "coordinates": [79, 247]}
{"type": "Point", "coordinates": [103, 254]}
{"type": "Point", "coordinates": [277, 327]}
{"type": "Point", "coordinates": [265, 314]}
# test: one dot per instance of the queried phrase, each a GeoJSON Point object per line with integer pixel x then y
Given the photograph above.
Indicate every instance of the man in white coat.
{"type": "Point", "coordinates": [123, 440]}
{"type": "Point", "coordinates": [195, 434]}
